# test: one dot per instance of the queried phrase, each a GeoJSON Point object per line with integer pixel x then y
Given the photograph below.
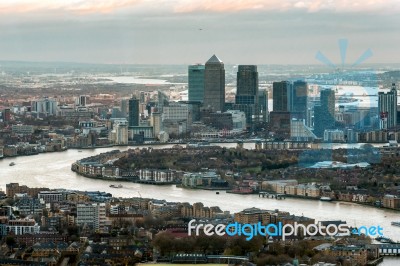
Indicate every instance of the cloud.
{"type": "Point", "coordinates": [184, 6]}
{"type": "Point", "coordinates": [83, 7]}
{"type": "Point", "coordinates": [73, 6]}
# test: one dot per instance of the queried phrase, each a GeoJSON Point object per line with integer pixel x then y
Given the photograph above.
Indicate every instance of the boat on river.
{"type": "Point", "coordinates": [116, 186]}
{"type": "Point", "coordinates": [396, 224]}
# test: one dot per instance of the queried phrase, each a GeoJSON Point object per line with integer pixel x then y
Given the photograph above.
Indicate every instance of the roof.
{"type": "Point", "coordinates": [213, 60]}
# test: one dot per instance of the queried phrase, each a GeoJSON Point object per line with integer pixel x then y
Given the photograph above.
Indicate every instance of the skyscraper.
{"type": "Point", "coordinates": [133, 115]}
{"type": "Point", "coordinates": [214, 84]}
{"type": "Point", "coordinates": [324, 113]}
{"type": "Point", "coordinates": [281, 92]}
{"type": "Point", "coordinates": [299, 98]}
{"type": "Point", "coordinates": [246, 99]}
{"type": "Point", "coordinates": [196, 82]}
{"type": "Point", "coordinates": [387, 108]}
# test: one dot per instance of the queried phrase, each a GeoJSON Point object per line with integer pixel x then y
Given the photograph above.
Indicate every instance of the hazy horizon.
{"type": "Point", "coordinates": [183, 32]}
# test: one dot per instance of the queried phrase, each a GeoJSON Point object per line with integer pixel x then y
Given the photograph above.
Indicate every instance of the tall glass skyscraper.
{"type": "Point", "coordinates": [246, 99]}
{"type": "Point", "coordinates": [299, 98]}
{"type": "Point", "coordinates": [214, 85]}
{"type": "Point", "coordinates": [133, 114]}
{"type": "Point", "coordinates": [324, 114]}
{"type": "Point", "coordinates": [196, 82]}
{"type": "Point", "coordinates": [281, 92]}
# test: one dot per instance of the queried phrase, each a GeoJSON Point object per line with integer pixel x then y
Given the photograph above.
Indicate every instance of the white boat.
{"type": "Point", "coordinates": [325, 199]}
{"type": "Point", "coordinates": [396, 224]}
{"type": "Point", "coordinates": [116, 186]}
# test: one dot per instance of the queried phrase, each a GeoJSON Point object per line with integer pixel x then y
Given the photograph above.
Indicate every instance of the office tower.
{"type": "Point", "coordinates": [247, 80]}
{"type": "Point", "coordinates": [163, 100]}
{"type": "Point", "coordinates": [121, 133]}
{"type": "Point", "coordinates": [155, 122]}
{"type": "Point", "coordinates": [263, 105]}
{"type": "Point", "coordinates": [133, 115]}
{"type": "Point", "coordinates": [281, 96]}
{"type": "Point", "coordinates": [387, 108]}
{"type": "Point", "coordinates": [6, 115]}
{"type": "Point", "coordinates": [214, 85]}
{"type": "Point", "coordinates": [124, 107]}
{"type": "Point", "coordinates": [196, 82]}
{"type": "Point", "coordinates": [324, 113]}
{"type": "Point", "coordinates": [299, 98]}
{"type": "Point", "coordinates": [83, 99]}
{"type": "Point", "coordinates": [246, 99]}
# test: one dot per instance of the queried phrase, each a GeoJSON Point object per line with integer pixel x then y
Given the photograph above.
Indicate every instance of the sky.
{"type": "Point", "coordinates": [188, 32]}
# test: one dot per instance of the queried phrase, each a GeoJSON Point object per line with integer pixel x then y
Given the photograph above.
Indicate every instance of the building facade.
{"type": "Point", "coordinates": [196, 82]}
{"type": "Point", "coordinates": [214, 85]}
{"type": "Point", "coordinates": [387, 108]}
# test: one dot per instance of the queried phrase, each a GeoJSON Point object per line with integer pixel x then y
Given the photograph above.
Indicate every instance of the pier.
{"type": "Point", "coordinates": [269, 195]}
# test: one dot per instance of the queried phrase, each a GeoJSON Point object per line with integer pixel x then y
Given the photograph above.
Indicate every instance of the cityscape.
{"type": "Point", "coordinates": [195, 145]}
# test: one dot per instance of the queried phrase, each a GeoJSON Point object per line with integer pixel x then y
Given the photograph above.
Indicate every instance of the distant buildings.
{"type": "Point", "coordinates": [196, 82]}
{"type": "Point", "coordinates": [45, 107]}
{"type": "Point", "coordinates": [387, 108]}
{"type": "Point", "coordinates": [214, 85]}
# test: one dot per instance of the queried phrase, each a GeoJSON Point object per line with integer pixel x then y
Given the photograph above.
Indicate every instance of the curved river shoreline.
{"type": "Point", "coordinates": [53, 170]}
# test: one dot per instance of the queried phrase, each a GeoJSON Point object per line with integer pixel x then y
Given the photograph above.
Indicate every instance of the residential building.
{"type": "Point", "coordinates": [387, 108]}
{"type": "Point", "coordinates": [92, 215]}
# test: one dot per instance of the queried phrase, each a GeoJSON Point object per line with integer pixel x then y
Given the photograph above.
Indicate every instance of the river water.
{"type": "Point", "coordinates": [53, 170]}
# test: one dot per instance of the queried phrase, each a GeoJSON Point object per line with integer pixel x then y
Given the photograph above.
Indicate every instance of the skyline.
{"type": "Point", "coordinates": [187, 32]}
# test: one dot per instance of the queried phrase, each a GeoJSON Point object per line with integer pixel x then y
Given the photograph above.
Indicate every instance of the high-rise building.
{"type": "Point", "coordinates": [281, 92]}
{"type": "Point", "coordinates": [299, 98]}
{"type": "Point", "coordinates": [82, 100]}
{"type": "Point", "coordinates": [387, 108]}
{"type": "Point", "coordinates": [247, 94]}
{"type": "Point", "coordinates": [163, 100]}
{"type": "Point", "coordinates": [91, 215]}
{"type": "Point", "coordinates": [263, 105]}
{"type": "Point", "coordinates": [196, 82]}
{"type": "Point", "coordinates": [324, 113]}
{"type": "Point", "coordinates": [124, 107]}
{"type": "Point", "coordinates": [214, 85]}
{"type": "Point", "coordinates": [133, 115]}
{"type": "Point", "coordinates": [155, 122]}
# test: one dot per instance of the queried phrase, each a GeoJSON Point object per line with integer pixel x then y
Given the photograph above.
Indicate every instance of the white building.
{"type": "Point", "coordinates": [333, 135]}
{"type": "Point", "coordinates": [121, 133]}
{"type": "Point", "coordinates": [20, 227]}
{"type": "Point", "coordinates": [92, 215]}
{"type": "Point", "coordinates": [46, 106]}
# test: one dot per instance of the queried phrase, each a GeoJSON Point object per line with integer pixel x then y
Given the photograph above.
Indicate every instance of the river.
{"type": "Point", "coordinates": [53, 170]}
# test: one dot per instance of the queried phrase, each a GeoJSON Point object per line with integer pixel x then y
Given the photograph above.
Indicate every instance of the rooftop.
{"type": "Point", "coordinates": [214, 60]}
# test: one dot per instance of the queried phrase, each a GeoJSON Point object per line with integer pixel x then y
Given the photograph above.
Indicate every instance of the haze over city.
{"type": "Point", "coordinates": [186, 32]}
